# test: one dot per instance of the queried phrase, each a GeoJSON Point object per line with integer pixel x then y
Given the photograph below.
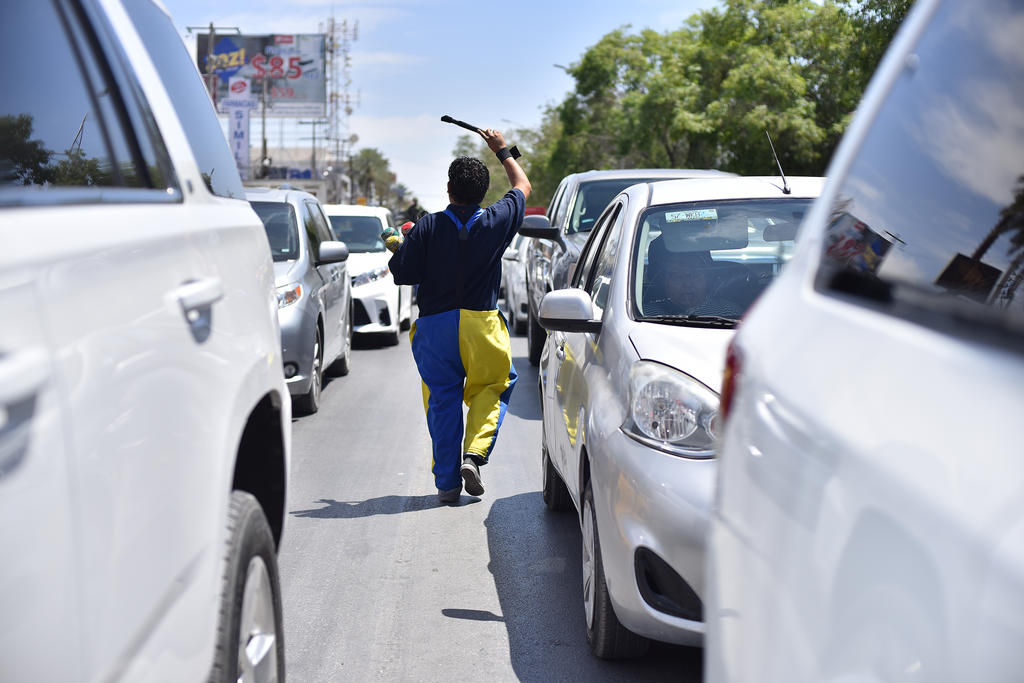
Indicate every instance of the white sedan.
{"type": "Point", "coordinates": [381, 307]}
{"type": "Point", "coordinates": [628, 379]}
{"type": "Point", "coordinates": [513, 279]}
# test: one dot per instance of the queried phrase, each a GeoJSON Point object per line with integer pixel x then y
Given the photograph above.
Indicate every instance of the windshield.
{"type": "Point", "coordinates": [282, 229]}
{"type": "Point", "coordinates": [360, 233]}
{"type": "Point", "coordinates": [593, 197]}
{"type": "Point", "coordinates": [711, 258]}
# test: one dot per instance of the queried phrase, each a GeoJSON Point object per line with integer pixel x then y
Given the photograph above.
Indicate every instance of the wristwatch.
{"type": "Point", "coordinates": [506, 152]}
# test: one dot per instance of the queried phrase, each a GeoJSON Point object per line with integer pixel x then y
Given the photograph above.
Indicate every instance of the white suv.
{"type": "Point", "coordinates": [869, 520]}
{"type": "Point", "coordinates": [144, 417]}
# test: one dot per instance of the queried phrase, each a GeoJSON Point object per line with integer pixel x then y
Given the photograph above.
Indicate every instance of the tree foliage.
{"type": "Point", "coordinates": [703, 95]}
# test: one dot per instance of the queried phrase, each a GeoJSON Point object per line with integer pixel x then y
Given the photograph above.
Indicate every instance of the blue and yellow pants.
{"type": "Point", "coordinates": [463, 356]}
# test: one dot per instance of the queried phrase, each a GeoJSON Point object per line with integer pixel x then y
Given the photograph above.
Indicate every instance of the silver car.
{"type": "Point", "coordinates": [628, 376]}
{"type": "Point", "coordinates": [314, 293]}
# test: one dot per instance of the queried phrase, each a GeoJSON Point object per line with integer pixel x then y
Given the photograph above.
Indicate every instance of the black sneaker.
{"type": "Point", "coordinates": [471, 475]}
{"type": "Point", "coordinates": [449, 496]}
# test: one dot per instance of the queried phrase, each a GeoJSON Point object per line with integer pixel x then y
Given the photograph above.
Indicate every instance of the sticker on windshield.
{"type": "Point", "coordinates": [695, 215]}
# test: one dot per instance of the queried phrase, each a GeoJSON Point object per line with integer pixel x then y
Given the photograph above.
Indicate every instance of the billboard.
{"type": "Point", "coordinates": [287, 68]}
{"type": "Point", "coordinates": [852, 244]}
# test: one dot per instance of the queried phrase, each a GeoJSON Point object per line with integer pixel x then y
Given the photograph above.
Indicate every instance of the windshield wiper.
{"type": "Point", "coordinates": [710, 320]}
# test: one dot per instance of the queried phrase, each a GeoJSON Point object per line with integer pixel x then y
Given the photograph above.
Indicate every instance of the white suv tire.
{"type": "Point", "coordinates": [250, 636]}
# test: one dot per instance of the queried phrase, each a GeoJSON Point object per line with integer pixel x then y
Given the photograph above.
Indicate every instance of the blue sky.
{"type": "Point", "coordinates": [488, 63]}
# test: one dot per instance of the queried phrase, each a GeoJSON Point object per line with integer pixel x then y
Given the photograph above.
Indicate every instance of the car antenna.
{"type": "Point", "coordinates": [785, 185]}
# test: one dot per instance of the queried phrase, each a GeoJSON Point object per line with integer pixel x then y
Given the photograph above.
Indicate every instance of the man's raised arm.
{"type": "Point", "coordinates": [496, 141]}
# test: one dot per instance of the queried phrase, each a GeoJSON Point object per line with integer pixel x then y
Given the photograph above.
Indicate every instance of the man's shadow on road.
{"type": "Point", "coordinates": [384, 505]}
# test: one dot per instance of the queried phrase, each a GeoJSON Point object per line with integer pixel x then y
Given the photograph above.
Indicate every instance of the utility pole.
{"type": "Point", "coordinates": [314, 123]}
{"type": "Point", "coordinates": [264, 162]}
{"type": "Point", "coordinates": [339, 38]}
{"type": "Point", "coordinates": [208, 67]}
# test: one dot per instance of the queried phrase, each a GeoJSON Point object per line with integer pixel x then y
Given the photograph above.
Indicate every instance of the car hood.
{"type": "Point", "coordinates": [360, 262]}
{"type": "Point", "coordinates": [287, 272]}
{"type": "Point", "coordinates": [699, 352]}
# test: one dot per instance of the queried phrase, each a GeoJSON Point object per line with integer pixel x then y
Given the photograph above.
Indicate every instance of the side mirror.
{"type": "Point", "coordinates": [568, 310]}
{"type": "Point", "coordinates": [540, 228]}
{"type": "Point", "coordinates": [332, 252]}
{"type": "Point", "coordinates": [511, 254]}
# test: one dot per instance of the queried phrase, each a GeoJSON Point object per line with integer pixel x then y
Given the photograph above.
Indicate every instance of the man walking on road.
{"type": "Point", "coordinates": [460, 341]}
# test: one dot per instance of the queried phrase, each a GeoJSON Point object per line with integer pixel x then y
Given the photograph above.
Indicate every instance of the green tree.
{"type": "Point", "coordinates": [471, 145]}
{"type": "Point", "coordinates": [875, 23]}
{"type": "Point", "coordinates": [371, 175]}
{"type": "Point", "coordinates": [703, 95]}
{"type": "Point", "coordinates": [23, 161]}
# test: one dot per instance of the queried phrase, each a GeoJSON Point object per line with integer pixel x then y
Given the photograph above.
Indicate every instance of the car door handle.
{"type": "Point", "coordinates": [22, 374]}
{"type": "Point", "coordinates": [196, 294]}
{"type": "Point", "coordinates": [560, 351]}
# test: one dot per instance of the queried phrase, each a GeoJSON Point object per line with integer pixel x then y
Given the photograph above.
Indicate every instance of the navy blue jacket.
{"type": "Point", "coordinates": [429, 255]}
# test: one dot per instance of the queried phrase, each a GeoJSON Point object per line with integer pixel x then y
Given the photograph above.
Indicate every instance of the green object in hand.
{"type": "Point", "coordinates": [392, 239]}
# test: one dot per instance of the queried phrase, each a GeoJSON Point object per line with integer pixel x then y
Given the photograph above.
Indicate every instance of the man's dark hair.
{"type": "Point", "coordinates": [469, 179]}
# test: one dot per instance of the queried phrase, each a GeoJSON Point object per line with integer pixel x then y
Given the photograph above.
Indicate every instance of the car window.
{"type": "Point", "coordinates": [323, 228]}
{"type": "Point", "coordinates": [592, 198]}
{"type": "Point", "coordinates": [599, 280]}
{"type": "Point", "coordinates": [556, 203]}
{"type": "Point", "coordinates": [282, 229]}
{"type": "Point", "coordinates": [360, 233]}
{"type": "Point", "coordinates": [68, 133]}
{"type": "Point", "coordinates": [927, 222]}
{"type": "Point", "coordinates": [711, 258]}
{"type": "Point", "coordinates": [189, 96]}
{"type": "Point", "coordinates": [588, 255]}
{"type": "Point", "coordinates": [312, 235]}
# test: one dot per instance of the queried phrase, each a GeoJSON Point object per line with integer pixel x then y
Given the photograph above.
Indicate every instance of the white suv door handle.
{"type": "Point", "coordinates": [22, 374]}
{"type": "Point", "coordinates": [197, 294]}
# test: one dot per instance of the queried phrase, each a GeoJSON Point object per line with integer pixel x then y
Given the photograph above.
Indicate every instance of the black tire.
{"type": "Point", "coordinates": [309, 402]}
{"type": "Point", "coordinates": [535, 336]}
{"type": "Point", "coordinates": [342, 365]}
{"type": "Point", "coordinates": [556, 495]}
{"type": "Point", "coordinates": [608, 639]}
{"type": "Point", "coordinates": [251, 587]}
{"type": "Point", "coordinates": [518, 325]}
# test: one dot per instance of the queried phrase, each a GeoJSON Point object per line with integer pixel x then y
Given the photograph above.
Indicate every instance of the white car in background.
{"type": "Point", "coordinates": [628, 380]}
{"type": "Point", "coordinates": [513, 278]}
{"type": "Point", "coordinates": [869, 519]}
{"type": "Point", "coordinates": [381, 307]}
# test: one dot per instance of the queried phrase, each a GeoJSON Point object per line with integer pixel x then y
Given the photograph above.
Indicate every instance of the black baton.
{"type": "Point", "coordinates": [513, 150]}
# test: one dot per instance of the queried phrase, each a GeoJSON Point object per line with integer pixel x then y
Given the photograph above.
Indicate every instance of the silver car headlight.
{"type": "Point", "coordinates": [671, 411]}
{"type": "Point", "coordinates": [369, 276]}
{"type": "Point", "coordinates": [288, 294]}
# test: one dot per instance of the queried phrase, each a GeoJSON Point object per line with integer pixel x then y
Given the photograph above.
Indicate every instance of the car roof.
{"type": "Point", "coordinates": [617, 173]}
{"type": "Point", "coordinates": [736, 187]}
{"type": "Point", "coordinates": [276, 194]}
{"type": "Point", "coordinates": [354, 210]}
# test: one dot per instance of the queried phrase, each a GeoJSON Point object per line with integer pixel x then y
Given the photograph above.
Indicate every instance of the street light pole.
{"type": "Point", "coordinates": [314, 123]}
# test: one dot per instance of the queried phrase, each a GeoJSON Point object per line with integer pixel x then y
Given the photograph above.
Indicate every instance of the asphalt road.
{"type": "Point", "coordinates": [381, 583]}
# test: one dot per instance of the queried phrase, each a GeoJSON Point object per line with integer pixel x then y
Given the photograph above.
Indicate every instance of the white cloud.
{"type": "Point", "coordinates": [975, 138]}
{"type": "Point", "coordinates": [385, 59]}
{"type": "Point", "coordinates": [419, 149]}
